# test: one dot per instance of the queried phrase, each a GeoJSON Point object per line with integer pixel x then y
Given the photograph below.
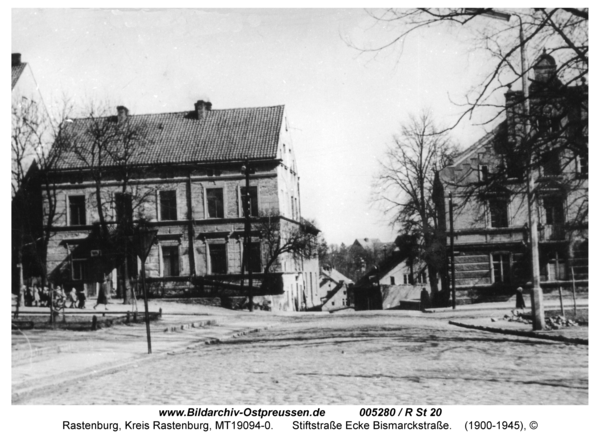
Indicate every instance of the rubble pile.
{"type": "Point", "coordinates": [559, 322]}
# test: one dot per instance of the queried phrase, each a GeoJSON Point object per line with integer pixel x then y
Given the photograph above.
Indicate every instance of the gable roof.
{"type": "Point", "coordinates": [16, 73]}
{"type": "Point", "coordinates": [175, 138]}
{"type": "Point", "coordinates": [335, 276]}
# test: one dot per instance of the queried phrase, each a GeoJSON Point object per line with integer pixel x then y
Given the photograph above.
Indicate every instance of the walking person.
{"type": "Point", "coordinates": [103, 296]}
{"type": "Point", "coordinates": [35, 296]}
{"type": "Point", "coordinates": [520, 300]}
{"type": "Point", "coordinates": [72, 297]}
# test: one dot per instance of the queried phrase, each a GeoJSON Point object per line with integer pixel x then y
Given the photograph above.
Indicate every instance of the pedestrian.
{"type": "Point", "coordinates": [28, 297]}
{"type": "Point", "coordinates": [81, 299]}
{"type": "Point", "coordinates": [45, 296]}
{"type": "Point", "coordinates": [73, 297]}
{"type": "Point", "coordinates": [102, 296]}
{"type": "Point", "coordinates": [520, 300]}
{"type": "Point", "coordinates": [35, 295]}
{"type": "Point", "coordinates": [424, 299]}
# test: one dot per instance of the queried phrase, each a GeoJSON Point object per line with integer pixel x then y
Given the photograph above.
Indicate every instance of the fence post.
{"type": "Point", "coordinates": [562, 310]}
{"type": "Point", "coordinates": [94, 323]}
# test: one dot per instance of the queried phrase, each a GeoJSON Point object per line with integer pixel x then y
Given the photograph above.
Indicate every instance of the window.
{"type": "Point", "coordinates": [483, 173]}
{"type": "Point", "coordinates": [392, 280]}
{"type": "Point", "coordinates": [554, 210]}
{"type": "Point", "coordinates": [501, 268]}
{"type": "Point", "coordinates": [77, 210]}
{"type": "Point", "coordinates": [551, 163]}
{"type": "Point", "coordinates": [214, 202]}
{"type": "Point", "coordinates": [168, 205]}
{"type": "Point", "coordinates": [582, 165]}
{"type": "Point", "coordinates": [555, 268]}
{"type": "Point", "coordinates": [218, 258]}
{"type": "Point", "coordinates": [77, 269]}
{"type": "Point", "coordinates": [253, 204]}
{"type": "Point", "coordinates": [498, 213]}
{"type": "Point", "coordinates": [422, 278]}
{"type": "Point", "coordinates": [123, 208]}
{"type": "Point", "coordinates": [254, 257]}
{"type": "Point", "coordinates": [170, 257]}
{"type": "Point", "coordinates": [406, 279]}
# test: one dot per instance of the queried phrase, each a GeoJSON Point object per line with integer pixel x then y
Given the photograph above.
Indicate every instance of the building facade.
{"type": "Point", "coordinates": [488, 182]}
{"type": "Point", "coordinates": [183, 173]}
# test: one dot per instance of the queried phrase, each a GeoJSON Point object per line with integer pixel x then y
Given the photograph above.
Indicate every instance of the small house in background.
{"type": "Point", "coordinates": [395, 283]}
{"type": "Point", "coordinates": [334, 289]}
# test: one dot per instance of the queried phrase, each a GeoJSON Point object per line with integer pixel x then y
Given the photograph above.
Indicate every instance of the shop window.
{"type": "Point", "coordinates": [214, 202]}
{"type": "Point", "coordinates": [168, 205]}
{"type": "Point", "coordinates": [77, 210]}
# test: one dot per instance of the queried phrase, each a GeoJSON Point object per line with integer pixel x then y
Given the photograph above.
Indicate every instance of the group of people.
{"type": "Point", "coordinates": [34, 296]}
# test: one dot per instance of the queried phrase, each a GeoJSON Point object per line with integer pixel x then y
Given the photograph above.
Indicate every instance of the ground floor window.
{"type": "Point", "coordinates": [254, 257]}
{"type": "Point", "coordinates": [218, 258]}
{"type": "Point", "coordinates": [170, 257]}
{"type": "Point", "coordinates": [554, 267]}
{"type": "Point", "coordinates": [501, 268]}
{"type": "Point", "coordinates": [78, 269]}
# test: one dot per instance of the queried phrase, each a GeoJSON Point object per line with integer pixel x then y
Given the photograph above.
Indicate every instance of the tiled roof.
{"type": "Point", "coordinates": [16, 73]}
{"type": "Point", "coordinates": [222, 135]}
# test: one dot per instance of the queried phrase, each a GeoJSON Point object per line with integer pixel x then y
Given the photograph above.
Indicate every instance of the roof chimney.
{"type": "Point", "coordinates": [202, 107]}
{"type": "Point", "coordinates": [122, 113]}
{"type": "Point", "coordinates": [15, 59]}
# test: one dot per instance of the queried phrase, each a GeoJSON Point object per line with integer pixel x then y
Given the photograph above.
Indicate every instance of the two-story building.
{"type": "Point", "coordinates": [488, 182]}
{"type": "Point", "coordinates": [182, 172]}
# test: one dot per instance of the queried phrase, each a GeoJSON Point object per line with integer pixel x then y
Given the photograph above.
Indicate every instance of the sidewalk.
{"type": "Point", "coordinates": [43, 359]}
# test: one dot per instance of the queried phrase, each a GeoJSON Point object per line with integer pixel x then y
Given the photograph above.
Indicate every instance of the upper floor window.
{"type": "Point", "coordinates": [170, 259]}
{"type": "Point", "coordinates": [218, 258]}
{"type": "Point", "coordinates": [582, 165]}
{"type": "Point", "coordinates": [554, 209]}
{"type": "Point", "coordinates": [392, 280]}
{"type": "Point", "coordinates": [551, 163]}
{"type": "Point", "coordinates": [483, 173]}
{"type": "Point", "coordinates": [78, 269]}
{"type": "Point", "coordinates": [77, 210]}
{"type": "Point", "coordinates": [498, 213]}
{"type": "Point", "coordinates": [123, 207]}
{"type": "Point", "coordinates": [249, 200]}
{"type": "Point", "coordinates": [214, 203]}
{"type": "Point", "coordinates": [168, 205]}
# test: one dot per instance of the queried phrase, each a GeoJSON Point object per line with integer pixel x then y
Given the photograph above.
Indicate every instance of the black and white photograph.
{"type": "Point", "coordinates": [300, 207]}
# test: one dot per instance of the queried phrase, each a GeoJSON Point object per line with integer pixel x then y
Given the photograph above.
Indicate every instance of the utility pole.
{"type": "Point", "coordinates": [246, 205]}
{"type": "Point", "coordinates": [452, 271]}
{"type": "Point", "coordinates": [537, 299]}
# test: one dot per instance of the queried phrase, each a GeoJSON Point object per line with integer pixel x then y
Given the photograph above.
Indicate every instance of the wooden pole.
{"type": "Point", "coordinates": [562, 310]}
{"type": "Point", "coordinates": [574, 300]}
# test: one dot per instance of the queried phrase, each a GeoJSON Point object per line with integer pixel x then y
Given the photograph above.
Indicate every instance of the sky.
{"type": "Point", "coordinates": [343, 106]}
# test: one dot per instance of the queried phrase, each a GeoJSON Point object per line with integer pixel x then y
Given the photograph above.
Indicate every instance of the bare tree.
{"type": "Point", "coordinates": [404, 185]}
{"type": "Point", "coordinates": [106, 147]}
{"type": "Point", "coordinates": [34, 192]}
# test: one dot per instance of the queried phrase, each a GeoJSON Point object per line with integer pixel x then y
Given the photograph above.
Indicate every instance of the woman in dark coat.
{"type": "Point", "coordinates": [520, 300]}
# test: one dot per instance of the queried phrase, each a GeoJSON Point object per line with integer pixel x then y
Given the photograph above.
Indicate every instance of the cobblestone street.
{"type": "Point", "coordinates": [354, 358]}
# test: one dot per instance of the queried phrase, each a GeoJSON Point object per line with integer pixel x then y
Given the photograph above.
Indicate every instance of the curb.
{"type": "Point", "coordinates": [560, 338]}
{"type": "Point", "coordinates": [200, 324]}
{"type": "Point", "coordinates": [45, 388]}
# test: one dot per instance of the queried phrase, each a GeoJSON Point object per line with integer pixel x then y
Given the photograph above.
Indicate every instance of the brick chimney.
{"type": "Point", "coordinates": [122, 113]}
{"type": "Point", "coordinates": [202, 108]}
{"type": "Point", "coordinates": [15, 59]}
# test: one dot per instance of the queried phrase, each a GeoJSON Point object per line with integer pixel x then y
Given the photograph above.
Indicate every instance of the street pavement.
{"type": "Point", "coordinates": [375, 357]}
